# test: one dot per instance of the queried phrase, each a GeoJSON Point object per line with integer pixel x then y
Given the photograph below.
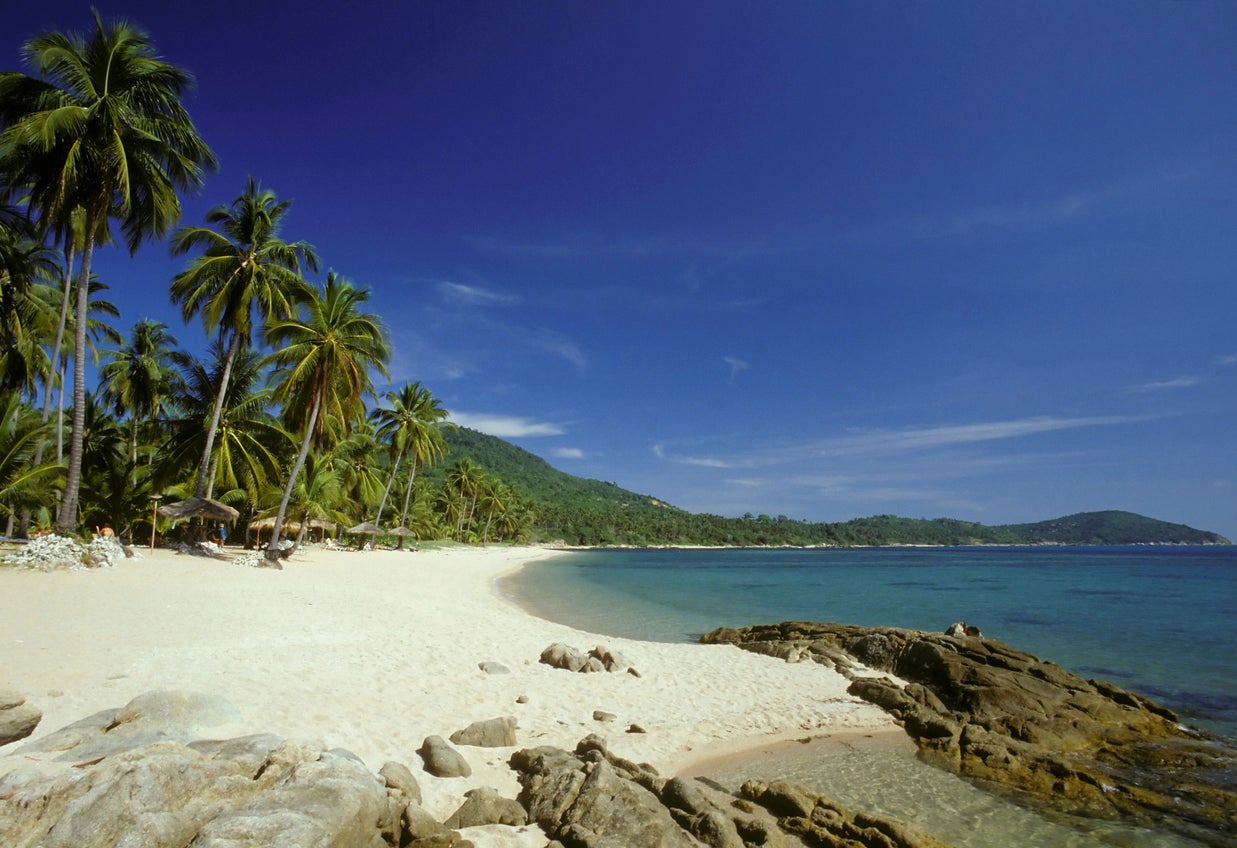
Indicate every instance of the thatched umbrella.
{"type": "Point", "coordinates": [261, 524]}
{"type": "Point", "coordinates": [198, 508]}
{"type": "Point", "coordinates": [366, 527]}
{"type": "Point", "coordinates": [403, 531]}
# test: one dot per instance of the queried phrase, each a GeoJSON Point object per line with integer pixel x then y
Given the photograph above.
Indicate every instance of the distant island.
{"type": "Point", "coordinates": [580, 511]}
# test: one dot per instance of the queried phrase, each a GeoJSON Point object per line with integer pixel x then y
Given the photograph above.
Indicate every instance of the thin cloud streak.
{"type": "Point", "coordinates": [899, 441]}
{"type": "Point", "coordinates": [474, 295]}
{"type": "Point", "coordinates": [659, 451]}
{"type": "Point", "coordinates": [1175, 383]}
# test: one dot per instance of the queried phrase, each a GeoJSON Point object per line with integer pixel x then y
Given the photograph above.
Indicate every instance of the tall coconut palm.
{"type": "Point", "coordinates": [466, 479]}
{"type": "Point", "coordinates": [245, 274]}
{"type": "Point", "coordinates": [250, 442]}
{"type": "Point", "coordinates": [141, 378]}
{"type": "Point", "coordinates": [357, 456]}
{"type": "Point", "coordinates": [324, 357]}
{"type": "Point", "coordinates": [24, 264]}
{"type": "Point", "coordinates": [411, 426]}
{"type": "Point", "coordinates": [100, 126]}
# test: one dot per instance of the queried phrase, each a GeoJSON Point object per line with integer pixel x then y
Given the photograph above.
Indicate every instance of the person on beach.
{"type": "Point", "coordinates": [107, 532]}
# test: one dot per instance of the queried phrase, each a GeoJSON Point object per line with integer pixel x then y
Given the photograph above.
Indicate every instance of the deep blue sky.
{"type": "Point", "coordinates": [824, 260]}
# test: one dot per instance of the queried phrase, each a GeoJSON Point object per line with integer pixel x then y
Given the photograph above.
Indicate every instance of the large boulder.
{"type": "Point", "coordinates": [996, 714]}
{"type": "Point", "coordinates": [490, 733]}
{"type": "Point", "coordinates": [148, 718]}
{"type": "Point", "coordinates": [483, 806]}
{"type": "Point", "coordinates": [254, 792]}
{"type": "Point", "coordinates": [17, 718]}
{"type": "Point", "coordinates": [441, 760]}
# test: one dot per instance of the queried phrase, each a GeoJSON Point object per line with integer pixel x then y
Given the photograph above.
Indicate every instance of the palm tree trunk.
{"type": "Point", "coordinates": [382, 504]}
{"type": "Point", "coordinates": [66, 520]}
{"type": "Point", "coordinates": [204, 468]}
{"type": "Point", "coordinates": [412, 476]}
{"type": "Point", "coordinates": [272, 547]}
{"type": "Point", "coordinates": [54, 365]}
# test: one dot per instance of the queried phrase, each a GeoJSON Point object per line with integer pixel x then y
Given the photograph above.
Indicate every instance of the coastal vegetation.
{"type": "Point", "coordinates": [592, 512]}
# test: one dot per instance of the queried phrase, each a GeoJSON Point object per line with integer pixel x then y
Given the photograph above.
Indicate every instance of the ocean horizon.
{"type": "Point", "coordinates": [1155, 620]}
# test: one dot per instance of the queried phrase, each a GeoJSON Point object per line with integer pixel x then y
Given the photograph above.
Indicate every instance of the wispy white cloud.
{"type": "Point", "coordinates": [736, 366]}
{"type": "Point", "coordinates": [1226, 361]}
{"type": "Point", "coordinates": [897, 441]}
{"type": "Point", "coordinates": [1161, 385]}
{"type": "Point", "coordinates": [1050, 212]}
{"type": "Point", "coordinates": [558, 345]}
{"type": "Point", "coordinates": [474, 295]}
{"type": "Point", "coordinates": [506, 426]}
{"type": "Point", "coordinates": [661, 453]}
{"type": "Point", "coordinates": [568, 453]}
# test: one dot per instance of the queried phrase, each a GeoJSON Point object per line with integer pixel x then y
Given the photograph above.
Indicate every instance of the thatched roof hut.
{"type": "Point", "coordinates": [198, 508]}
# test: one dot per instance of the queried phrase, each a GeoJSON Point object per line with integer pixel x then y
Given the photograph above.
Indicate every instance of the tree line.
{"type": "Point", "coordinates": [95, 146]}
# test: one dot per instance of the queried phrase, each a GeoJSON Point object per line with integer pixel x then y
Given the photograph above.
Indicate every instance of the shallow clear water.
{"type": "Point", "coordinates": [1159, 621]}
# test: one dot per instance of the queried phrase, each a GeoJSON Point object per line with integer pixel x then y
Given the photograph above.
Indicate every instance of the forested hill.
{"type": "Point", "coordinates": [580, 511]}
{"type": "Point", "coordinates": [1112, 527]}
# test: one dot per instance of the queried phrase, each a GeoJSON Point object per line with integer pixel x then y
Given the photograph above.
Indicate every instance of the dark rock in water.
{"type": "Point", "coordinates": [593, 799]}
{"type": "Point", "coordinates": [999, 715]}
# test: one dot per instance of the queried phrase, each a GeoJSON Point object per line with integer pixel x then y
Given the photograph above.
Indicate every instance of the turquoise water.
{"type": "Point", "coordinates": [1157, 620]}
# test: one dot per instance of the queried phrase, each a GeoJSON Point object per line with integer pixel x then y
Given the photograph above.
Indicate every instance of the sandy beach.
{"type": "Point", "coordinates": [374, 651]}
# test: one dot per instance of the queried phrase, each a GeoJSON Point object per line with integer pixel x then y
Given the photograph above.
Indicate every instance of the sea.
{"type": "Point", "coordinates": [1158, 620]}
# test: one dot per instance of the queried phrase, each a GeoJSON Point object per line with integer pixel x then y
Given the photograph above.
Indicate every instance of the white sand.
{"type": "Point", "coordinates": [375, 651]}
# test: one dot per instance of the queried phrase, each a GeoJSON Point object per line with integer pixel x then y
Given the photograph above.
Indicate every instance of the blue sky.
{"type": "Point", "coordinates": [824, 260]}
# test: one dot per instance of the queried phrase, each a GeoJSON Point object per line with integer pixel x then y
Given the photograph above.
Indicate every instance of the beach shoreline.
{"type": "Point", "coordinates": [374, 651]}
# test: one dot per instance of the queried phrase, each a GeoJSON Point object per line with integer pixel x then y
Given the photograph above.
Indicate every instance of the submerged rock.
{"type": "Point", "coordinates": [996, 714]}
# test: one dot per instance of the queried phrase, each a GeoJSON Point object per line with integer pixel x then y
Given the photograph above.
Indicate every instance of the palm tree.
{"type": "Point", "coordinates": [356, 455]}
{"type": "Point", "coordinates": [324, 359]}
{"type": "Point", "coordinates": [24, 263]}
{"type": "Point", "coordinates": [412, 426]}
{"type": "Point", "coordinates": [466, 479]}
{"type": "Point", "coordinates": [24, 483]}
{"type": "Point", "coordinates": [99, 127]}
{"type": "Point", "coordinates": [250, 442]}
{"type": "Point", "coordinates": [140, 378]}
{"type": "Point", "coordinates": [245, 272]}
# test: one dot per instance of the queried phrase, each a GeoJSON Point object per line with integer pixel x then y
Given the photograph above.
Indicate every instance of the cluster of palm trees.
{"type": "Point", "coordinates": [274, 421]}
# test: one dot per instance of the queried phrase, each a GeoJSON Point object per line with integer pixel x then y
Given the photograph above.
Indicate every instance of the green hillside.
{"type": "Point", "coordinates": [580, 511]}
{"type": "Point", "coordinates": [1112, 527]}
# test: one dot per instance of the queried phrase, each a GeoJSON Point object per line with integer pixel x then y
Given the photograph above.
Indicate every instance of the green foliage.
{"type": "Point", "coordinates": [1112, 527]}
{"type": "Point", "coordinates": [591, 512]}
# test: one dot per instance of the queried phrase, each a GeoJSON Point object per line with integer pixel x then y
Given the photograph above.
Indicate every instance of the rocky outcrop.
{"type": "Point", "coordinates": [600, 658]}
{"type": "Point", "coordinates": [999, 715]}
{"type": "Point", "coordinates": [594, 799]}
{"type": "Point", "coordinates": [17, 718]}
{"type": "Point", "coordinates": [134, 777]}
